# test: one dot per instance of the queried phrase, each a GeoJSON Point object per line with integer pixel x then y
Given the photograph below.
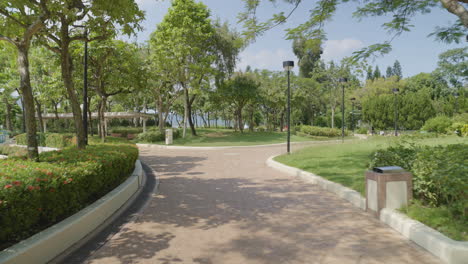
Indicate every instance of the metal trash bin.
{"type": "Point", "coordinates": [169, 136]}
{"type": "Point", "coordinates": [387, 187]}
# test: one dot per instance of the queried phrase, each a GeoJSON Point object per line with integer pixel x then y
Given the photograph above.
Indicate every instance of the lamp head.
{"type": "Point", "coordinates": [353, 99]}
{"type": "Point", "coordinates": [343, 80]}
{"type": "Point", "coordinates": [456, 95]}
{"type": "Point", "coordinates": [395, 90]}
{"type": "Point", "coordinates": [288, 65]}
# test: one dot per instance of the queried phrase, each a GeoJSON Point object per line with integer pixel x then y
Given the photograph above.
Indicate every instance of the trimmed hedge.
{"type": "Point", "coordinates": [440, 173]}
{"type": "Point", "coordinates": [320, 131]}
{"type": "Point", "coordinates": [35, 195]}
{"type": "Point", "coordinates": [53, 140]}
{"type": "Point", "coordinates": [156, 136]}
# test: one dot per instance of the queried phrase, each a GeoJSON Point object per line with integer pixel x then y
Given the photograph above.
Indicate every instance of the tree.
{"type": "Point", "coordinates": [239, 91]}
{"type": "Point", "coordinates": [185, 38]}
{"type": "Point", "coordinates": [389, 72]}
{"type": "Point", "coordinates": [400, 11]}
{"type": "Point", "coordinates": [20, 21]}
{"type": "Point", "coordinates": [370, 75]}
{"type": "Point", "coordinates": [397, 70]}
{"type": "Point", "coordinates": [101, 18]}
{"type": "Point", "coordinates": [377, 73]}
{"type": "Point", "coordinates": [453, 66]}
{"type": "Point", "coordinates": [308, 53]}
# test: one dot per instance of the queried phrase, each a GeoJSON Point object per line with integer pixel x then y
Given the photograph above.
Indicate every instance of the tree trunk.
{"type": "Point", "coordinates": [160, 114]}
{"type": "Point", "coordinates": [39, 116]}
{"type": "Point", "coordinates": [188, 103]}
{"type": "Point", "coordinates": [8, 123]}
{"type": "Point", "coordinates": [67, 68]}
{"type": "Point", "coordinates": [28, 102]}
{"type": "Point", "coordinates": [333, 117]}
{"type": "Point", "coordinates": [240, 121]}
{"type": "Point", "coordinates": [102, 118]}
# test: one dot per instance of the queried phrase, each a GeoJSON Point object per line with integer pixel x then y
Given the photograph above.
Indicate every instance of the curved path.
{"type": "Point", "coordinates": [227, 206]}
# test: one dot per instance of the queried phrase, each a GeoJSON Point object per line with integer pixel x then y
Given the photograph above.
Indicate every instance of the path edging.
{"type": "Point", "coordinates": [447, 249]}
{"type": "Point", "coordinates": [53, 241]}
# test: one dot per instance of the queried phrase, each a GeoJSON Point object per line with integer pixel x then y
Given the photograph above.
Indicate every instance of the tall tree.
{"type": "Point", "coordinates": [370, 75]}
{"type": "Point", "coordinates": [185, 37]}
{"type": "Point", "coordinates": [397, 71]}
{"type": "Point", "coordinates": [453, 66]}
{"type": "Point", "coordinates": [308, 53]}
{"type": "Point", "coordinates": [389, 72]}
{"type": "Point", "coordinates": [20, 21]}
{"type": "Point", "coordinates": [377, 74]}
{"type": "Point", "coordinates": [241, 90]}
{"type": "Point", "coordinates": [67, 24]}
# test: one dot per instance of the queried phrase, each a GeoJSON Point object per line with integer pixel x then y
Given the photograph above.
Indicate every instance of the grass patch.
{"type": "Point", "coordinates": [346, 163]}
{"type": "Point", "coordinates": [227, 137]}
{"type": "Point", "coordinates": [438, 218]}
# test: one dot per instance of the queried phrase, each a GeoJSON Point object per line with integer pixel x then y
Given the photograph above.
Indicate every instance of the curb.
{"type": "Point", "coordinates": [233, 147]}
{"type": "Point", "coordinates": [61, 237]}
{"type": "Point", "coordinates": [446, 249]}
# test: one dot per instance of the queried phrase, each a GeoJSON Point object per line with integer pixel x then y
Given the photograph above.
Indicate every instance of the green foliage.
{"type": "Point", "coordinates": [321, 131]}
{"type": "Point", "coordinates": [34, 195]}
{"type": "Point", "coordinates": [12, 151]}
{"type": "Point", "coordinates": [362, 130]}
{"type": "Point", "coordinates": [156, 136]}
{"type": "Point", "coordinates": [53, 140]}
{"type": "Point", "coordinates": [124, 131]}
{"type": "Point", "coordinates": [438, 124]}
{"type": "Point", "coordinates": [440, 173]}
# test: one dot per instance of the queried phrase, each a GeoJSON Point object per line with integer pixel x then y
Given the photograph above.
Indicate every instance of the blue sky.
{"type": "Point", "coordinates": [415, 51]}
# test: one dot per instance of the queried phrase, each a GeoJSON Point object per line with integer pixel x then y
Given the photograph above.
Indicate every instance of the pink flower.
{"type": "Point", "coordinates": [8, 186]}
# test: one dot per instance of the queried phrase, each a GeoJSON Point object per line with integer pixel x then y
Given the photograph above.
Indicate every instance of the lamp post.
{"type": "Point", "coordinates": [352, 113]}
{"type": "Point", "coordinates": [395, 92]}
{"type": "Point", "coordinates": [456, 95]}
{"type": "Point", "coordinates": [342, 81]}
{"type": "Point", "coordinates": [287, 66]}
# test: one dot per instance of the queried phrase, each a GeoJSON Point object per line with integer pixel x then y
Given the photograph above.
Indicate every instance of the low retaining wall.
{"type": "Point", "coordinates": [448, 250]}
{"type": "Point", "coordinates": [48, 244]}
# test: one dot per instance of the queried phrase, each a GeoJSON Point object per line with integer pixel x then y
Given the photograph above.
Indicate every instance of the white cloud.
{"type": "Point", "coordinates": [265, 59]}
{"type": "Point", "coordinates": [340, 48]}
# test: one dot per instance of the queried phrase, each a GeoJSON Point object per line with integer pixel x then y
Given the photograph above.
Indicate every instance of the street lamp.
{"type": "Point", "coordinates": [395, 92]}
{"type": "Point", "coordinates": [456, 95]}
{"type": "Point", "coordinates": [85, 88]}
{"type": "Point", "coordinates": [287, 66]}
{"type": "Point", "coordinates": [342, 81]}
{"type": "Point", "coordinates": [352, 113]}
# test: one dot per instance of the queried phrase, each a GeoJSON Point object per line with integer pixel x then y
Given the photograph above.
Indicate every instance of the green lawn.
{"type": "Point", "coordinates": [228, 137]}
{"type": "Point", "coordinates": [346, 163]}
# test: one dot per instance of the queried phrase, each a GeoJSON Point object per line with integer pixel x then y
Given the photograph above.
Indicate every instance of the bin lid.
{"type": "Point", "coordinates": [388, 169]}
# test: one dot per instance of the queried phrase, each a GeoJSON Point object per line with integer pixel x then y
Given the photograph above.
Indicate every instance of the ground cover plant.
{"type": "Point", "coordinates": [53, 140]}
{"type": "Point", "coordinates": [34, 195]}
{"type": "Point", "coordinates": [346, 164]}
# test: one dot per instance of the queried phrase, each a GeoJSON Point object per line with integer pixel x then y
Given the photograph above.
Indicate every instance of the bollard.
{"type": "Point", "coordinates": [387, 187]}
{"type": "Point", "coordinates": [169, 136]}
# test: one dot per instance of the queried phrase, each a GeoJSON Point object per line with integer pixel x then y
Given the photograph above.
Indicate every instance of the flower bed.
{"type": "Point", "coordinates": [319, 131]}
{"type": "Point", "coordinates": [35, 195]}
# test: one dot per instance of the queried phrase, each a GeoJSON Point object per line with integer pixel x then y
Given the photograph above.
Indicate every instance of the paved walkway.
{"type": "Point", "coordinates": [226, 206]}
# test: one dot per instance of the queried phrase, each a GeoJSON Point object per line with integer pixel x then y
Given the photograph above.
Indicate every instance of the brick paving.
{"type": "Point", "coordinates": [227, 206]}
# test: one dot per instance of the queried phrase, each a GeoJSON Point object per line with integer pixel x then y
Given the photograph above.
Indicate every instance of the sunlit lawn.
{"type": "Point", "coordinates": [228, 137]}
{"type": "Point", "coordinates": [346, 164]}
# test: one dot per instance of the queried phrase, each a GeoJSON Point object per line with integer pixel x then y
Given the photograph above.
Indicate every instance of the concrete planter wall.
{"type": "Point", "coordinates": [448, 250]}
{"type": "Point", "coordinates": [48, 244]}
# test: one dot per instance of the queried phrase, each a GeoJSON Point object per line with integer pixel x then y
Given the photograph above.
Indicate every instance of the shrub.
{"type": "Point", "coordinates": [440, 174]}
{"type": "Point", "coordinates": [34, 195]}
{"type": "Point", "coordinates": [321, 131]}
{"type": "Point", "coordinates": [12, 151]}
{"type": "Point", "coordinates": [362, 130]}
{"type": "Point", "coordinates": [53, 140]}
{"type": "Point", "coordinates": [124, 131]}
{"type": "Point", "coordinates": [438, 124]}
{"type": "Point", "coordinates": [151, 137]}
{"type": "Point", "coordinates": [154, 136]}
